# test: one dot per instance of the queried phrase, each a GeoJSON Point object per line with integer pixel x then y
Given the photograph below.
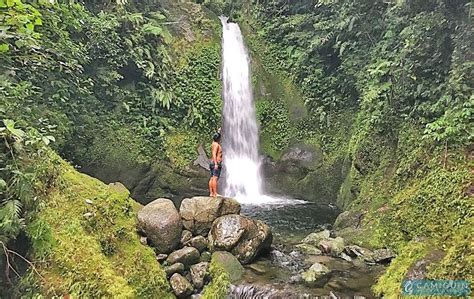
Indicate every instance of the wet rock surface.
{"type": "Point", "coordinates": [229, 263]}
{"type": "Point", "coordinates": [240, 235]}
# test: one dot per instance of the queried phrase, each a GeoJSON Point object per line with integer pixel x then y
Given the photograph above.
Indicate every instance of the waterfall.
{"type": "Point", "coordinates": [242, 162]}
{"type": "Point", "coordinates": [241, 158]}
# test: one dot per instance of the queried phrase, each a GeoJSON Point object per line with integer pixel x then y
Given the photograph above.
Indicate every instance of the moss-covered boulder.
{"type": "Point", "coordinates": [161, 223]}
{"type": "Point", "coordinates": [229, 263]}
{"type": "Point", "coordinates": [90, 257]}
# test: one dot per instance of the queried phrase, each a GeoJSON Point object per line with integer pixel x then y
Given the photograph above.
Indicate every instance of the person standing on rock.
{"type": "Point", "coordinates": [215, 166]}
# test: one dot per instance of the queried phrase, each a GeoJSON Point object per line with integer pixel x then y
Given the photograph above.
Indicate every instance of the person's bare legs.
{"type": "Point", "coordinates": [215, 186]}
{"type": "Point", "coordinates": [211, 186]}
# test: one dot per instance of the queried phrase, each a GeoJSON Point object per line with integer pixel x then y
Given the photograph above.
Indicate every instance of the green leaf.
{"type": "Point", "coordinates": [3, 185]}
{"type": "Point", "coordinates": [4, 48]}
{"type": "Point", "coordinates": [10, 126]}
{"type": "Point", "coordinates": [30, 27]}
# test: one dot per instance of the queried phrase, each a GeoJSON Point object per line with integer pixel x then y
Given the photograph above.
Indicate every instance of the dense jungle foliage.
{"type": "Point", "coordinates": [382, 88]}
{"type": "Point", "coordinates": [102, 83]}
{"type": "Point", "coordinates": [387, 86]}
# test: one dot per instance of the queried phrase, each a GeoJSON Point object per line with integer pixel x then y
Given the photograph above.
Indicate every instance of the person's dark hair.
{"type": "Point", "coordinates": [216, 137]}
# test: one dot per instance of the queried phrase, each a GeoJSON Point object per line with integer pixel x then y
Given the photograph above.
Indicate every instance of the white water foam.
{"type": "Point", "coordinates": [242, 175]}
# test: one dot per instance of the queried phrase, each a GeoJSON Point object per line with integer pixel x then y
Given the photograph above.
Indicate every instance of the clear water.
{"type": "Point", "coordinates": [292, 220]}
{"type": "Point", "coordinates": [290, 223]}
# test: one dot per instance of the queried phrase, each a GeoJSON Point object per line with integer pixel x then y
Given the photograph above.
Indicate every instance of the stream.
{"type": "Point", "coordinates": [277, 270]}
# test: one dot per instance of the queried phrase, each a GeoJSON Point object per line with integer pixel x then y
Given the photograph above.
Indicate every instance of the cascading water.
{"type": "Point", "coordinates": [240, 136]}
{"type": "Point", "coordinates": [242, 177]}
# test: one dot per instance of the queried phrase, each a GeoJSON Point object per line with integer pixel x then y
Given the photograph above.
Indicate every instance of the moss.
{"type": "Point", "coordinates": [85, 242]}
{"type": "Point", "coordinates": [220, 282]}
{"type": "Point", "coordinates": [181, 148]}
{"type": "Point", "coordinates": [389, 284]}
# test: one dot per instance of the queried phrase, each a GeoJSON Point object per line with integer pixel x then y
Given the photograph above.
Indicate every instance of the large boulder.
{"type": "Point", "coordinates": [198, 213]}
{"type": "Point", "coordinates": [242, 236]}
{"type": "Point", "coordinates": [161, 223]}
{"type": "Point", "coordinates": [187, 256]}
{"type": "Point", "coordinates": [181, 286]}
{"type": "Point", "coordinates": [228, 263]}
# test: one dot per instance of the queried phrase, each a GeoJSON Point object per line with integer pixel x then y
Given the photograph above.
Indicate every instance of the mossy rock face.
{"type": "Point", "coordinates": [298, 180]}
{"type": "Point", "coordinates": [86, 230]}
{"type": "Point", "coordinates": [147, 183]}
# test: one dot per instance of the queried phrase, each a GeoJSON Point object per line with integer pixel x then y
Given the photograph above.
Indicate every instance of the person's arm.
{"type": "Point", "coordinates": [214, 154]}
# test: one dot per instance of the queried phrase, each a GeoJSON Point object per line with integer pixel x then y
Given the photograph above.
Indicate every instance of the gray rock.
{"type": "Point", "coordinates": [315, 274]}
{"type": "Point", "coordinates": [355, 251]}
{"type": "Point", "coordinates": [347, 219]}
{"type": "Point", "coordinates": [161, 257]}
{"type": "Point", "coordinates": [205, 256]}
{"type": "Point", "coordinates": [187, 255]}
{"type": "Point", "coordinates": [332, 246]}
{"type": "Point", "coordinates": [199, 242]}
{"type": "Point", "coordinates": [242, 236]}
{"type": "Point", "coordinates": [198, 213]}
{"type": "Point", "coordinates": [175, 268]}
{"type": "Point", "coordinates": [309, 249]}
{"type": "Point", "coordinates": [198, 274]}
{"type": "Point", "coordinates": [315, 238]}
{"type": "Point", "coordinates": [381, 256]}
{"type": "Point", "coordinates": [181, 286]}
{"type": "Point", "coordinates": [345, 257]}
{"type": "Point", "coordinates": [161, 223]}
{"type": "Point", "coordinates": [186, 235]}
{"type": "Point", "coordinates": [229, 263]}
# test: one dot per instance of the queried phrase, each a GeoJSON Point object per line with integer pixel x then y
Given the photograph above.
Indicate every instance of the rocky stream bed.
{"type": "Point", "coordinates": [296, 265]}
